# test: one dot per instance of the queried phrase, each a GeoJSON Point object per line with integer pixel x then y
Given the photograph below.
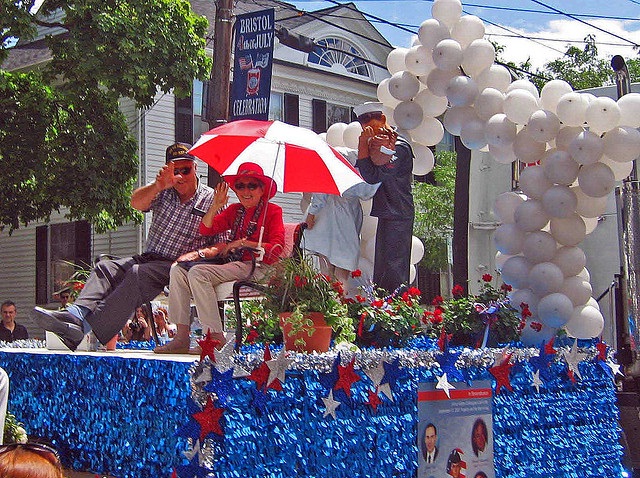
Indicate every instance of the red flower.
{"type": "Point", "coordinates": [437, 300]}
{"type": "Point", "coordinates": [377, 303]}
{"type": "Point", "coordinates": [457, 290]}
{"type": "Point", "coordinates": [487, 277]}
{"type": "Point", "coordinates": [506, 287]}
{"type": "Point", "coordinates": [78, 286]}
{"type": "Point", "coordinates": [252, 336]}
{"type": "Point", "coordinates": [414, 291]}
{"type": "Point", "coordinates": [437, 318]}
{"type": "Point", "coordinates": [300, 281]}
{"type": "Point", "coordinates": [356, 273]}
{"type": "Point", "coordinates": [525, 310]}
{"type": "Point", "coordinates": [537, 326]}
{"type": "Point", "coordinates": [360, 299]}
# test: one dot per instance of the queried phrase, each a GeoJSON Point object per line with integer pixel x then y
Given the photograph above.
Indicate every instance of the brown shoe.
{"type": "Point", "coordinates": [173, 347]}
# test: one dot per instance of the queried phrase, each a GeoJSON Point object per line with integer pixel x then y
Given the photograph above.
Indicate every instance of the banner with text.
{"type": "Point", "coordinates": [455, 436]}
{"type": "Point", "coordinates": [251, 87]}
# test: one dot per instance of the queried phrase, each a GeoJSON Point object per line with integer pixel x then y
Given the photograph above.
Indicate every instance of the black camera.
{"type": "Point", "coordinates": [134, 325]}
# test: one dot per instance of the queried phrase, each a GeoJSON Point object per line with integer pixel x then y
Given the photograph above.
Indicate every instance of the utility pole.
{"type": "Point", "coordinates": [218, 91]}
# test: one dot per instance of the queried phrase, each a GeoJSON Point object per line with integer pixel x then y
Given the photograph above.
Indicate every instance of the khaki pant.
{"type": "Point", "coordinates": [199, 282]}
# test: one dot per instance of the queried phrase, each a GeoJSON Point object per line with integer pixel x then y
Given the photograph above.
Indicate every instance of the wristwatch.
{"type": "Point", "coordinates": [201, 254]}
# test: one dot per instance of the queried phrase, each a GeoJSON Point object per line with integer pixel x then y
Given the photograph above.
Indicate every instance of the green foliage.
{"type": "Point", "coordinates": [14, 431]}
{"type": "Point", "coordinates": [63, 141]}
{"type": "Point", "coordinates": [433, 222]}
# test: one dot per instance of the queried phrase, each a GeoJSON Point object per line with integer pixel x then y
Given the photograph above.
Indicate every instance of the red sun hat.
{"type": "Point", "coordinates": [252, 171]}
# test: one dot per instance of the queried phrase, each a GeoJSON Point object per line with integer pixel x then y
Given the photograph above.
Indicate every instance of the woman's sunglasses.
{"type": "Point", "coordinates": [249, 186]}
{"type": "Point", "coordinates": [46, 452]}
{"type": "Point", "coordinates": [183, 171]}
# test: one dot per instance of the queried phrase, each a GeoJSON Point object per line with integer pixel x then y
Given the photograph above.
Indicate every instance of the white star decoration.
{"type": "Point", "coordinates": [573, 359]}
{"type": "Point", "coordinates": [615, 368]}
{"type": "Point", "coordinates": [331, 405]}
{"type": "Point", "coordinates": [224, 361]}
{"type": "Point", "coordinates": [376, 373]}
{"type": "Point", "coordinates": [443, 384]}
{"type": "Point", "coordinates": [386, 389]}
{"type": "Point", "coordinates": [277, 367]}
{"type": "Point", "coordinates": [195, 450]}
{"type": "Point", "coordinates": [535, 376]}
{"type": "Point", "coordinates": [205, 375]}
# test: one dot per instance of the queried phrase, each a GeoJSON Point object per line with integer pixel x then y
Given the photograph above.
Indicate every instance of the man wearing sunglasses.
{"type": "Point", "coordinates": [116, 287]}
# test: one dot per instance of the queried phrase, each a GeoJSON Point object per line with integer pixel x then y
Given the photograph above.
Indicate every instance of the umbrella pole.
{"type": "Point", "coordinates": [260, 257]}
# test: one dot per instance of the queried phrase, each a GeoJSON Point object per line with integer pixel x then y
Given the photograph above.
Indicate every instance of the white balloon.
{"type": "Point", "coordinates": [530, 216]}
{"type": "Point", "coordinates": [559, 167]}
{"type": "Point", "coordinates": [559, 201]}
{"type": "Point", "coordinates": [527, 149]}
{"type": "Point", "coordinates": [588, 206]}
{"type": "Point", "coordinates": [515, 272]}
{"type": "Point", "coordinates": [423, 160]}
{"type": "Point", "coordinates": [502, 154]}
{"type": "Point", "coordinates": [323, 136]}
{"type": "Point", "coordinates": [566, 135]}
{"type": "Point", "coordinates": [404, 85]}
{"type": "Point", "coordinates": [489, 103]}
{"type": "Point", "coordinates": [543, 125]}
{"type": "Point", "coordinates": [447, 11]}
{"type": "Point", "coordinates": [586, 322]}
{"type": "Point", "coordinates": [596, 180]}
{"type": "Point", "coordinates": [524, 85]}
{"type": "Point", "coordinates": [545, 278]}
{"type": "Point", "coordinates": [455, 117]}
{"type": "Point", "coordinates": [590, 224]}
{"type": "Point", "coordinates": [586, 148]}
{"type": "Point", "coordinates": [478, 56]}
{"type": "Point", "coordinates": [572, 109]}
{"type": "Point", "coordinates": [461, 91]}
{"type": "Point", "coordinates": [570, 259]}
{"type": "Point", "coordinates": [369, 227]}
{"type": "Point", "coordinates": [438, 80]}
{"type": "Point", "coordinates": [431, 104]}
{"type": "Point", "coordinates": [602, 114]}
{"type": "Point", "coordinates": [508, 239]}
{"type": "Point", "coordinates": [551, 93]}
{"type": "Point", "coordinates": [396, 60]}
{"type": "Point", "coordinates": [496, 76]}
{"type": "Point", "coordinates": [622, 144]}
{"type": "Point", "coordinates": [594, 303]}
{"type": "Point", "coordinates": [620, 170]}
{"type": "Point", "coordinates": [417, 250]}
{"type": "Point", "coordinates": [535, 337]}
{"type": "Point", "coordinates": [447, 55]}
{"type": "Point", "coordinates": [467, 29]}
{"type": "Point", "coordinates": [584, 273]}
{"type": "Point", "coordinates": [629, 105]}
{"type": "Point", "coordinates": [554, 310]}
{"type": "Point", "coordinates": [351, 135]}
{"type": "Point", "coordinates": [539, 246]}
{"type": "Point", "coordinates": [519, 105]}
{"type": "Point", "coordinates": [577, 290]}
{"type": "Point", "coordinates": [472, 133]}
{"type": "Point", "coordinates": [335, 134]}
{"type": "Point", "coordinates": [534, 182]}
{"type": "Point", "coordinates": [500, 260]}
{"type": "Point", "coordinates": [500, 131]}
{"type": "Point", "coordinates": [407, 115]}
{"type": "Point", "coordinates": [419, 61]}
{"type": "Point", "coordinates": [431, 32]}
{"type": "Point", "coordinates": [388, 113]}
{"type": "Point", "coordinates": [412, 273]}
{"type": "Point", "coordinates": [505, 205]}
{"type": "Point", "coordinates": [385, 96]}
{"type": "Point", "coordinates": [429, 133]}
{"type": "Point", "coordinates": [524, 296]}
{"type": "Point", "coordinates": [568, 231]}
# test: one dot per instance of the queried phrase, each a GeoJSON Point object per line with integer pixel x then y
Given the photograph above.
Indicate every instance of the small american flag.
{"type": "Point", "coordinates": [246, 62]}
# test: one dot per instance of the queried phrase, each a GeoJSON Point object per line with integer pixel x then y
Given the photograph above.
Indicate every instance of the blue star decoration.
{"type": "Point", "coordinates": [221, 384]}
{"type": "Point", "coordinates": [542, 362]}
{"type": "Point", "coordinates": [447, 361]}
{"type": "Point", "coordinates": [392, 373]}
{"type": "Point", "coordinates": [329, 379]}
{"type": "Point", "coordinates": [259, 400]}
{"type": "Point", "coordinates": [191, 429]}
{"type": "Point", "coordinates": [192, 469]}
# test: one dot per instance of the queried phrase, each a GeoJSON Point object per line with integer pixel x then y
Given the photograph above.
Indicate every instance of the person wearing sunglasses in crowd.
{"type": "Point", "coordinates": [29, 460]}
{"type": "Point", "coordinates": [178, 200]}
{"type": "Point", "coordinates": [244, 220]}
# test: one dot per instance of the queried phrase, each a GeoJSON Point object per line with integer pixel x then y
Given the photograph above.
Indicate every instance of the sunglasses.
{"type": "Point", "coordinates": [46, 452]}
{"type": "Point", "coordinates": [183, 171]}
{"type": "Point", "coordinates": [249, 186]}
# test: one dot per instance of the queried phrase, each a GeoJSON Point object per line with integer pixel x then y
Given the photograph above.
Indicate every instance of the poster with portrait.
{"type": "Point", "coordinates": [455, 432]}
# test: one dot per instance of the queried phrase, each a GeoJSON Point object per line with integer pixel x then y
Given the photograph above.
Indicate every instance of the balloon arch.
{"type": "Point", "coordinates": [573, 148]}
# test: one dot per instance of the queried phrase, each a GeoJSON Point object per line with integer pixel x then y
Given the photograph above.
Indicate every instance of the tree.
{"type": "Point", "coordinates": [63, 141]}
{"type": "Point", "coordinates": [433, 222]}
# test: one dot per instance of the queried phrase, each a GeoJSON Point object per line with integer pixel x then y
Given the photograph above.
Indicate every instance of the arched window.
{"type": "Point", "coordinates": [339, 54]}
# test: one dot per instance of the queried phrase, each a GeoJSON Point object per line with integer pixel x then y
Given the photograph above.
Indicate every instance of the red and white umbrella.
{"type": "Point", "coordinates": [297, 159]}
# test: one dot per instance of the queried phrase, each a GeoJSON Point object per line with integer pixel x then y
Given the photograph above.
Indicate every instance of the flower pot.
{"type": "Point", "coordinates": [319, 339]}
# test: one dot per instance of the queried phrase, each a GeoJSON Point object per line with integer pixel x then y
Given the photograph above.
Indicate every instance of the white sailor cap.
{"type": "Point", "coordinates": [368, 107]}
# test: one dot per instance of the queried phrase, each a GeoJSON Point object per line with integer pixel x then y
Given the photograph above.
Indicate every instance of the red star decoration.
{"type": "Point", "coordinates": [374, 400]}
{"type": "Point", "coordinates": [174, 474]}
{"type": "Point", "coordinates": [548, 347]}
{"type": "Point", "coordinates": [209, 419]}
{"type": "Point", "coordinates": [501, 374]}
{"type": "Point", "coordinates": [346, 377]}
{"type": "Point", "coordinates": [444, 339]}
{"type": "Point", "coordinates": [602, 351]}
{"type": "Point", "coordinates": [571, 376]}
{"type": "Point", "coordinates": [208, 345]}
{"type": "Point", "coordinates": [260, 375]}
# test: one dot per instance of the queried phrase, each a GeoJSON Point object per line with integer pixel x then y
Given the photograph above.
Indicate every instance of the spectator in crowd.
{"type": "Point", "coordinates": [10, 330]}
{"type": "Point", "coordinates": [139, 327]}
{"type": "Point", "coordinates": [29, 460]}
{"type": "Point", "coordinates": [116, 287]}
{"type": "Point", "coordinates": [64, 296]}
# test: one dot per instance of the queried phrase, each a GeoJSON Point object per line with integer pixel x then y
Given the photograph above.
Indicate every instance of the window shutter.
{"type": "Point", "coordinates": [184, 120]}
{"type": "Point", "coordinates": [83, 243]}
{"type": "Point", "coordinates": [292, 109]}
{"type": "Point", "coordinates": [42, 259]}
{"type": "Point", "coordinates": [319, 112]}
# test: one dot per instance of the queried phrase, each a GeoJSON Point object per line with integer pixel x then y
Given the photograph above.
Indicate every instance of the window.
{"type": "Point", "coordinates": [190, 125]}
{"type": "Point", "coordinates": [339, 55]}
{"type": "Point", "coordinates": [276, 112]}
{"type": "Point", "coordinates": [58, 247]}
{"type": "Point", "coordinates": [325, 114]}
{"type": "Point", "coordinates": [338, 114]}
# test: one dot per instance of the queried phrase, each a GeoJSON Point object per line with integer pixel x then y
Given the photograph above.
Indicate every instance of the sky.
{"type": "Point", "coordinates": [615, 24]}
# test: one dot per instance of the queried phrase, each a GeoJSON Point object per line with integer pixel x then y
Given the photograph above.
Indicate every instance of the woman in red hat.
{"type": "Point", "coordinates": [244, 222]}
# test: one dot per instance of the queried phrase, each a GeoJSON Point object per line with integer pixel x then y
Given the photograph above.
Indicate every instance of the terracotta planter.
{"type": "Point", "coordinates": [318, 341]}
